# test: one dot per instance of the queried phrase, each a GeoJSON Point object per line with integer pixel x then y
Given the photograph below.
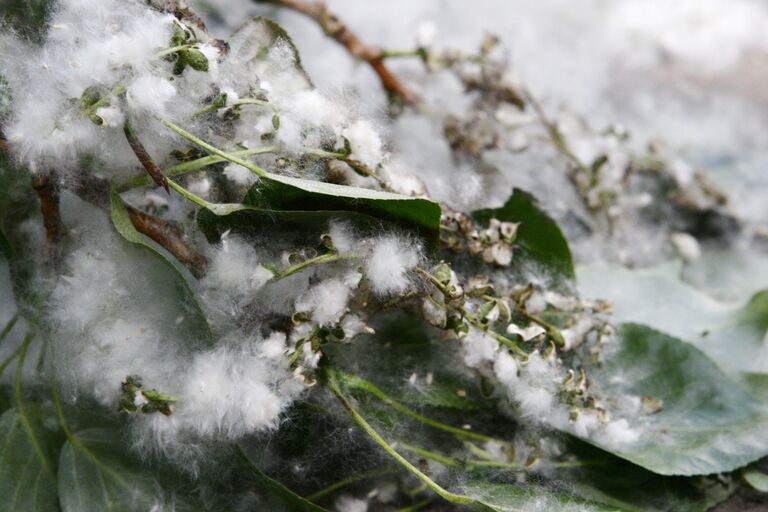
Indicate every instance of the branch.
{"type": "Point", "coordinates": [146, 160]}
{"type": "Point", "coordinates": [335, 28]}
{"type": "Point", "coordinates": [47, 190]}
{"type": "Point", "coordinates": [166, 233]}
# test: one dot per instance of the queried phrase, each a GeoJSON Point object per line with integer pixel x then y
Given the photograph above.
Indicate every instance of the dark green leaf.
{"type": "Point", "coordinates": [294, 194]}
{"type": "Point", "coordinates": [27, 463]}
{"type": "Point", "coordinates": [94, 475]}
{"type": "Point", "coordinates": [289, 499]}
{"type": "Point", "coordinates": [539, 239]}
{"type": "Point", "coordinates": [601, 477]}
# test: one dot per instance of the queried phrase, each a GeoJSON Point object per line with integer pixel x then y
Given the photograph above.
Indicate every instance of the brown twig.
{"type": "Point", "coordinates": [47, 190]}
{"type": "Point", "coordinates": [168, 235]}
{"type": "Point", "coordinates": [336, 29]}
{"type": "Point", "coordinates": [146, 160]}
{"type": "Point", "coordinates": [165, 233]}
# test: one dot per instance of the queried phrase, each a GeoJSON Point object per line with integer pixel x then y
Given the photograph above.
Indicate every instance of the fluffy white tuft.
{"type": "Point", "coordinates": [150, 94]}
{"type": "Point", "coordinates": [327, 301]}
{"type": "Point", "coordinates": [365, 142]}
{"type": "Point", "coordinates": [388, 264]}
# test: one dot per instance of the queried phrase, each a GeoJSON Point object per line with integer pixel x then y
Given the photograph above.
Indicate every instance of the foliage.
{"type": "Point", "coordinates": [278, 339]}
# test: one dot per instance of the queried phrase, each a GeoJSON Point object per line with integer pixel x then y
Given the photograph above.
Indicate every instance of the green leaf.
{"type": "Point", "coordinates": [288, 499]}
{"type": "Point", "coordinates": [757, 479]}
{"type": "Point", "coordinates": [731, 333]}
{"type": "Point", "coordinates": [708, 424]}
{"type": "Point", "coordinates": [539, 239]}
{"type": "Point", "coordinates": [519, 498]}
{"type": "Point", "coordinates": [95, 476]}
{"type": "Point", "coordinates": [27, 462]}
{"type": "Point", "coordinates": [124, 226]}
{"type": "Point", "coordinates": [274, 192]}
{"type": "Point", "coordinates": [293, 194]}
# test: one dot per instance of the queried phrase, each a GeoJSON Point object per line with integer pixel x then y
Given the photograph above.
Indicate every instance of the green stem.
{"type": "Point", "coordinates": [471, 464]}
{"type": "Point", "coordinates": [388, 54]}
{"type": "Point", "coordinates": [312, 262]}
{"type": "Point", "coordinates": [416, 506]}
{"type": "Point", "coordinates": [194, 165]}
{"type": "Point", "coordinates": [445, 494]}
{"type": "Point", "coordinates": [513, 345]}
{"type": "Point", "coordinates": [8, 359]}
{"type": "Point", "coordinates": [173, 49]}
{"type": "Point", "coordinates": [106, 100]}
{"type": "Point", "coordinates": [347, 481]}
{"type": "Point", "coordinates": [498, 337]}
{"type": "Point", "coordinates": [9, 326]}
{"type": "Point", "coordinates": [258, 171]}
{"type": "Point", "coordinates": [430, 455]}
{"type": "Point", "coordinates": [243, 101]}
{"type": "Point", "coordinates": [349, 380]}
{"type": "Point", "coordinates": [553, 331]}
{"type": "Point", "coordinates": [254, 101]}
{"type": "Point", "coordinates": [189, 195]}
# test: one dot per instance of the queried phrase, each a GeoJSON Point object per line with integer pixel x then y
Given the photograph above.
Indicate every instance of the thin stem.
{"type": "Point", "coordinates": [242, 101]}
{"type": "Point", "coordinates": [416, 506]}
{"type": "Point", "coordinates": [173, 49]}
{"type": "Point", "coordinates": [445, 494]}
{"type": "Point", "coordinates": [347, 481]}
{"type": "Point", "coordinates": [349, 380]}
{"type": "Point", "coordinates": [430, 455]}
{"type": "Point", "coordinates": [336, 29]}
{"type": "Point", "coordinates": [388, 54]}
{"type": "Point", "coordinates": [498, 337]}
{"type": "Point", "coordinates": [312, 262]}
{"type": "Point", "coordinates": [189, 195]}
{"type": "Point", "coordinates": [258, 171]}
{"type": "Point", "coordinates": [9, 326]}
{"type": "Point", "coordinates": [143, 156]}
{"type": "Point", "coordinates": [254, 101]}
{"type": "Point", "coordinates": [199, 163]}
{"type": "Point", "coordinates": [470, 465]}
{"type": "Point", "coordinates": [553, 331]}
{"type": "Point", "coordinates": [472, 318]}
{"type": "Point", "coordinates": [9, 359]}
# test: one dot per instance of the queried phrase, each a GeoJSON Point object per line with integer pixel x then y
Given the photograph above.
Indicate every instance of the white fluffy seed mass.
{"type": "Point", "coordinates": [389, 263]}
{"type": "Point", "coordinates": [101, 46]}
{"type": "Point", "coordinates": [225, 393]}
{"type": "Point", "coordinates": [235, 269]}
{"type": "Point", "coordinates": [326, 301]}
{"type": "Point", "coordinates": [365, 142]}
